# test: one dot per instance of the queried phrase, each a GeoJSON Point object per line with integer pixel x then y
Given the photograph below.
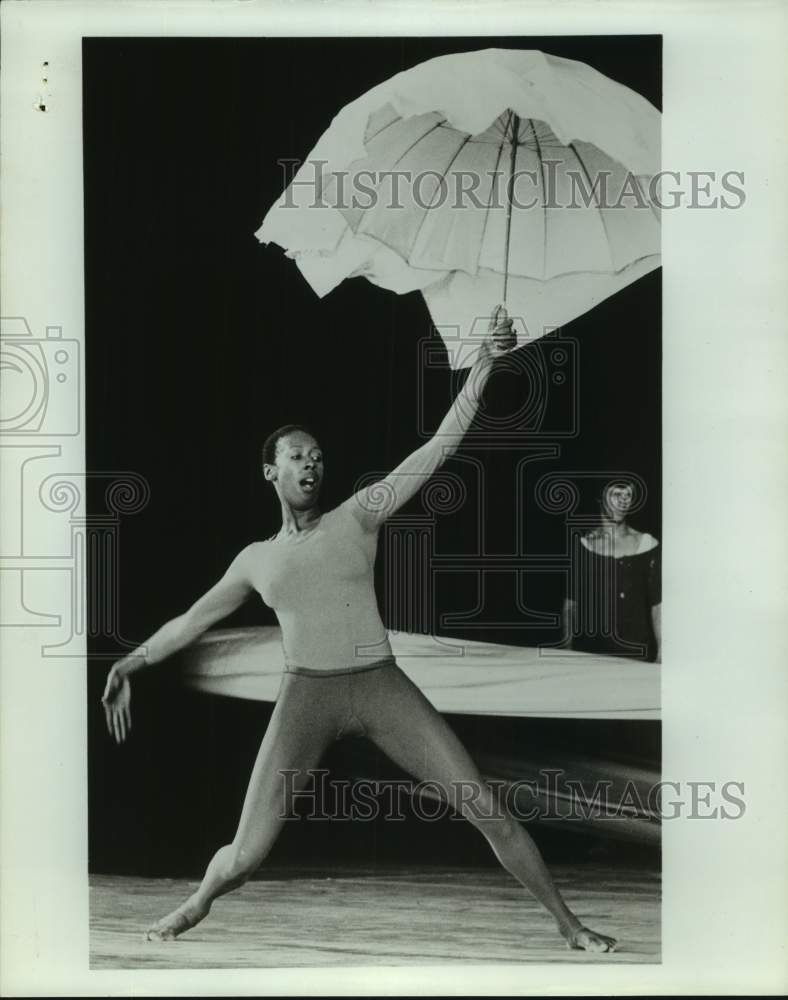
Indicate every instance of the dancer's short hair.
{"type": "Point", "coordinates": [270, 443]}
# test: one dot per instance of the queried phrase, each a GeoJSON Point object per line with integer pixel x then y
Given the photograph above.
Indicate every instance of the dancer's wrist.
{"type": "Point", "coordinates": [130, 664]}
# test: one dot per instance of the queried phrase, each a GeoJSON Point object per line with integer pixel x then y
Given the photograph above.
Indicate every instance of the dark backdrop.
{"type": "Point", "coordinates": [200, 341]}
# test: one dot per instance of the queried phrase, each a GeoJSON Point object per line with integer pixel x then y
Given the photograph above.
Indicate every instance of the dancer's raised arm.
{"type": "Point", "coordinates": [218, 602]}
{"type": "Point", "coordinates": [373, 504]}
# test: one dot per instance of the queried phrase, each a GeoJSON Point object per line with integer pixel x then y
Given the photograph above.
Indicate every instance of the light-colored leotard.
{"type": "Point", "coordinates": [321, 586]}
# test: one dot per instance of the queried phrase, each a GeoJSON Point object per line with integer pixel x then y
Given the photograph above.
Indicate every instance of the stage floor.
{"type": "Point", "coordinates": [414, 916]}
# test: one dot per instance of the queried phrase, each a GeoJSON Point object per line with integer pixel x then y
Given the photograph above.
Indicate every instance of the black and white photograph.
{"type": "Point", "coordinates": [410, 519]}
{"type": "Point", "coordinates": [363, 445]}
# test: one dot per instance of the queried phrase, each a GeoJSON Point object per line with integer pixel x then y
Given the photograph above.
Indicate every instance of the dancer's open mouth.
{"type": "Point", "coordinates": [308, 484]}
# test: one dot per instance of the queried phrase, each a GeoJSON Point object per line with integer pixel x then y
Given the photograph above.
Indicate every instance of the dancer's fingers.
{"type": "Point", "coordinates": [115, 726]}
{"type": "Point", "coordinates": [504, 336]}
{"type": "Point", "coordinates": [108, 718]}
{"type": "Point", "coordinates": [127, 716]}
{"type": "Point", "coordinates": [504, 328]}
{"type": "Point", "coordinates": [121, 725]}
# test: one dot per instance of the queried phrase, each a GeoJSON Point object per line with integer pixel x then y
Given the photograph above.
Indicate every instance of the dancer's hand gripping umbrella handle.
{"type": "Point", "coordinates": [501, 336]}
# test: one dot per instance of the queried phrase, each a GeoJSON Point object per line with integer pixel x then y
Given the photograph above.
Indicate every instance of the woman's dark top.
{"type": "Point", "coordinates": [614, 597]}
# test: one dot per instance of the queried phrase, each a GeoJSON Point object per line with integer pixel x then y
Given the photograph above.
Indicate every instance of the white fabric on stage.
{"type": "Point", "coordinates": [458, 676]}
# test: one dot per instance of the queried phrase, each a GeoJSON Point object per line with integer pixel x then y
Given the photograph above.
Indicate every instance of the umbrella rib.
{"type": "Point", "coordinates": [544, 194]}
{"type": "Point", "coordinates": [515, 123]}
{"type": "Point", "coordinates": [380, 131]}
{"type": "Point", "coordinates": [446, 169]}
{"type": "Point", "coordinates": [412, 146]}
{"type": "Point", "coordinates": [417, 141]}
{"type": "Point", "coordinates": [596, 202]}
{"type": "Point", "coordinates": [489, 206]}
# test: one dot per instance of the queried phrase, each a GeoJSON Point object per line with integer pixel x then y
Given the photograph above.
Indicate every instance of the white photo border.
{"type": "Point", "coordinates": [725, 683]}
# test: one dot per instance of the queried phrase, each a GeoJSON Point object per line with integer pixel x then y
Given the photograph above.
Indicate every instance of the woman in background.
{"type": "Point", "coordinates": [613, 604]}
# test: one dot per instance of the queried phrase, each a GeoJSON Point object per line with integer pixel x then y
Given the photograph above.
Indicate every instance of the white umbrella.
{"type": "Point", "coordinates": [499, 174]}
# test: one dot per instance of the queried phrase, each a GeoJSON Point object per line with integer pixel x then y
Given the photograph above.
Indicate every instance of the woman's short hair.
{"type": "Point", "coordinates": [616, 484]}
{"type": "Point", "coordinates": [270, 443]}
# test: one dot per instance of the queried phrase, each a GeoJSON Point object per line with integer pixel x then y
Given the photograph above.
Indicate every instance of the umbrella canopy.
{"type": "Point", "coordinates": [475, 178]}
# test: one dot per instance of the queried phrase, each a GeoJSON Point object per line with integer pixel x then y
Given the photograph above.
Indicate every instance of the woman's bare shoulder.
{"type": "Point", "coordinates": [592, 539]}
{"type": "Point", "coordinates": [646, 542]}
{"type": "Point", "coordinates": [597, 541]}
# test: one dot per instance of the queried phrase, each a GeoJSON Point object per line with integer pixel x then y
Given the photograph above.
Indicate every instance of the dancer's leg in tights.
{"type": "Point", "coordinates": [403, 723]}
{"type": "Point", "coordinates": [301, 727]}
{"type": "Point", "coordinates": [396, 716]}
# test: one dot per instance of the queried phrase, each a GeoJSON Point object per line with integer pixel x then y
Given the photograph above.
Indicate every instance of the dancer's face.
{"type": "Point", "coordinates": [298, 470]}
{"type": "Point", "coordinates": [617, 501]}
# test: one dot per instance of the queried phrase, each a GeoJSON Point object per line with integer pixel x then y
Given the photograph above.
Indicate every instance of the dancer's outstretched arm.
{"type": "Point", "coordinates": [379, 501]}
{"type": "Point", "coordinates": [221, 600]}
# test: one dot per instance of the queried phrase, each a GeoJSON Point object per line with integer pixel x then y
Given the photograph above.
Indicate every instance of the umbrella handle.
{"type": "Point", "coordinates": [515, 122]}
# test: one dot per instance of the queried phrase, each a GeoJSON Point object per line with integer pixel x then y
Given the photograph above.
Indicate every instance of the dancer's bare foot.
{"type": "Point", "coordinates": [583, 939]}
{"type": "Point", "coordinates": [183, 919]}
